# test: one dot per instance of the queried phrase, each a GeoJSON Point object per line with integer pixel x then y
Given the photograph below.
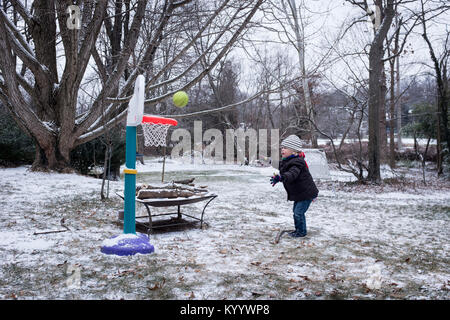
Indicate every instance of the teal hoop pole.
{"type": "Point", "coordinates": [129, 224]}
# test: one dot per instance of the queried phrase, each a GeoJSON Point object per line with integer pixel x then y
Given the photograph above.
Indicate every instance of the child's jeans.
{"type": "Point", "coordinates": [300, 208]}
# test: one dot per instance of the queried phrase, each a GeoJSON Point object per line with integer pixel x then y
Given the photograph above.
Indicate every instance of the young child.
{"type": "Point", "coordinates": [297, 181]}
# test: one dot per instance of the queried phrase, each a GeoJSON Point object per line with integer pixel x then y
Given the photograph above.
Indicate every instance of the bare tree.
{"type": "Point", "coordinates": [291, 16]}
{"type": "Point", "coordinates": [297, 26]}
{"type": "Point", "coordinates": [45, 99]}
{"type": "Point", "coordinates": [376, 53]}
{"type": "Point", "coordinates": [395, 44]}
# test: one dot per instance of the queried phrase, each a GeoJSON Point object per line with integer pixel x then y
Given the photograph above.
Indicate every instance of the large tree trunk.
{"type": "Point", "coordinates": [376, 53]}
{"type": "Point", "coordinates": [50, 157]}
{"type": "Point", "coordinates": [375, 91]}
{"type": "Point", "coordinates": [55, 145]}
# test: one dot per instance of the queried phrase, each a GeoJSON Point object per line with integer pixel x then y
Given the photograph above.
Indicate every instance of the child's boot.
{"type": "Point", "coordinates": [296, 234]}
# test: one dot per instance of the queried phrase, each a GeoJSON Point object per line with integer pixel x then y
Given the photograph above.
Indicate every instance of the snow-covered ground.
{"type": "Point", "coordinates": [388, 242]}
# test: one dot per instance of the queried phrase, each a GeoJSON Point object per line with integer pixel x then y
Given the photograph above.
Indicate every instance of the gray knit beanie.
{"type": "Point", "coordinates": [292, 142]}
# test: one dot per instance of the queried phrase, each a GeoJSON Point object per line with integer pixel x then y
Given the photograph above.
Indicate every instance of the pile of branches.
{"type": "Point", "coordinates": [175, 189]}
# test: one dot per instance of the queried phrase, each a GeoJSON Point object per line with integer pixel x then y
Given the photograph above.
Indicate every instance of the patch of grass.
{"type": "Point", "coordinates": [270, 213]}
{"type": "Point", "coordinates": [246, 285]}
{"type": "Point", "coordinates": [26, 280]}
{"type": "Point", "coordinates": [434, 211]}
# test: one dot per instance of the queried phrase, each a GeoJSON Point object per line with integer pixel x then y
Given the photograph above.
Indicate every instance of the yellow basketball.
{"type": "Point", "coordinates": [180, 99]}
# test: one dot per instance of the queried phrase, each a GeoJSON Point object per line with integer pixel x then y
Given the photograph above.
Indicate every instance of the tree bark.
{"type": "Point", "coordinates": [375, 88]}
{"type": "Point", "coordinates": [374, 112]}
{"type": "Point", "coordinates": [50, 157]}
{"type": "Point", "coordinates": [383, 127]}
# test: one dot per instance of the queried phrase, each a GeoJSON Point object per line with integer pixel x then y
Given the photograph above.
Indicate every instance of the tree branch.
{"type": "Point", "coordinates": [24, 53]}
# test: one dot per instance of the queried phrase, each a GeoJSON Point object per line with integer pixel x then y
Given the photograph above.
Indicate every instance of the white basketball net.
{"type": "Point", "coordinates": [155, 134]}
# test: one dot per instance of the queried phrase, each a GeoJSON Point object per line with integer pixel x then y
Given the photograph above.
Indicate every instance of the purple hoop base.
{"type": "Point", "coordinates": [128, 245]}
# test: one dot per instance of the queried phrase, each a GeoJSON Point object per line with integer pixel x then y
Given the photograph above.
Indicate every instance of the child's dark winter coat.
{"type": "Point", "coordinates": [297, 180]}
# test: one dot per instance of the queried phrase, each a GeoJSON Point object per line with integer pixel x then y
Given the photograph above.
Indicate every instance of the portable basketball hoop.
{"type": "Point", "coordinates": [155, 132]}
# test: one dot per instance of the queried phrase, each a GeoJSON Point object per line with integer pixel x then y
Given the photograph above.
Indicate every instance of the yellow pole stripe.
{"type": "Point", "coordinates": [130, 171]}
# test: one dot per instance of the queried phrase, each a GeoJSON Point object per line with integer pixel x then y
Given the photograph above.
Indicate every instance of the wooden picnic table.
{"type": "Point", "coordinates": [172, 202]}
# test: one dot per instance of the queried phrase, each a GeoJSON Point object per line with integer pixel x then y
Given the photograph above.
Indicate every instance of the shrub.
{"type": "Point", "coordinates": [92, 154]}
{"type": "Point", "coordinates": [16, 148]}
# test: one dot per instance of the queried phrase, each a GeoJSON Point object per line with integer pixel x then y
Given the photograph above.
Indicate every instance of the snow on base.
{"type": "Point", "coordinates": [119, 239]}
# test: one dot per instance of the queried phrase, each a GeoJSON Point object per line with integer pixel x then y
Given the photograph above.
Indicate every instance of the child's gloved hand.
{"type": "Point", "coordinates": [275, 179]}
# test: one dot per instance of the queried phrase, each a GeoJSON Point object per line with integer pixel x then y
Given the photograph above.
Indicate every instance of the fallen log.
{"type": "Point", "coordinates": [179, 188]}
{"type": "Point", "coordinates": [163, 193]}
{"type": "Point", "coordinates": [189, 188]}
{"type": "Point", "coordinates": [172, 186]}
